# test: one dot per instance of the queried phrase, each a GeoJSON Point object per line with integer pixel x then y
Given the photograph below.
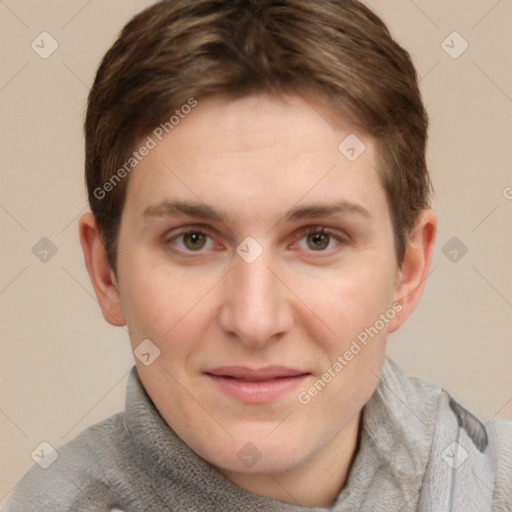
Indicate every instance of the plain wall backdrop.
{"type": "Point", "coordinates": [64, 368]}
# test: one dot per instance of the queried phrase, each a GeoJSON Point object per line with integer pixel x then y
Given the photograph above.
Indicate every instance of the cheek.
{"type": "Point", "coordinates": [164, 305]}
{"type": "Point", "coordinates": [355, 353]}
{"type": "Point", "coordinates": [354, 300]}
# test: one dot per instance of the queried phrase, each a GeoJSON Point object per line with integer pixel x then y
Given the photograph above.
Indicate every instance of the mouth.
{"type": "Point", "coordinates": [256, 385]}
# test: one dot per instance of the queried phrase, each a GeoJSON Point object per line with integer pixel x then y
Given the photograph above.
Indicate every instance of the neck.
{"type": "Point", "coordinates": [314, 483]}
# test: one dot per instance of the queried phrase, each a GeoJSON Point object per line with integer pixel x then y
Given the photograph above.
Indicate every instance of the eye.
{"type": "Point", "coordinates": [318, 239]}
{"type": "Point", "coordinates": [191, 240]}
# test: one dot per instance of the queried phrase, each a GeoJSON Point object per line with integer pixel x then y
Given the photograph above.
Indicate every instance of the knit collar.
{"type": "Point", "coordinates": [397, 433]}
{"type": "Point", "coordinates": [395, 438]}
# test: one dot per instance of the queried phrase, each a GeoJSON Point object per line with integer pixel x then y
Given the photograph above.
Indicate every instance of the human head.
{"type": "Point", "coordinates": [177, 52]}
{"type": "Point", "coordinates": [255, 147]}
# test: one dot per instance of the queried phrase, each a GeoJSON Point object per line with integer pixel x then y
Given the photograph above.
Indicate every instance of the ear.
{"type": "Point", "coordinates": [100, 272]}
{"type": "Point", "coordinates": [415, 266]}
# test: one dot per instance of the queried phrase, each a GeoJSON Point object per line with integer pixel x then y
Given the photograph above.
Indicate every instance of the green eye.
{"type": "Point", "coordinates": [194, 240]}
{"type": "Point", "coordinates": [318, 241]}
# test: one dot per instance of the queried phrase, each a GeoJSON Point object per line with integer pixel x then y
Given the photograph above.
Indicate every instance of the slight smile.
{"type": "Point", "coordinates": [256, 385]}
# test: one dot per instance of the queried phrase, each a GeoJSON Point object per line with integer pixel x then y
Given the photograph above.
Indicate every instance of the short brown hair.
{"type": "Point", "coordinates": [176, 50]}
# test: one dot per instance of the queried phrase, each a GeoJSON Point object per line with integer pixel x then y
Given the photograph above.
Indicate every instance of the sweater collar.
{"type": "Point", "coordinates": [397, 432]}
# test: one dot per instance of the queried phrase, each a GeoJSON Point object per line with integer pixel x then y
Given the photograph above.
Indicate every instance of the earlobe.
{"type": "Point", "coordinates": [102, 277]}
{"type": "Point", "coordinates": [415, 267]}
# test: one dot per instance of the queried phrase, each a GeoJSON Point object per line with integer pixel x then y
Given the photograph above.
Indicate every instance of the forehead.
{"type": "Point", "coordinates": [260, 153]}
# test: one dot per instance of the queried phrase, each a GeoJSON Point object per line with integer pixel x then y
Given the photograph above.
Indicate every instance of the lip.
{"type": "Point", "coordinates": [256, 385]}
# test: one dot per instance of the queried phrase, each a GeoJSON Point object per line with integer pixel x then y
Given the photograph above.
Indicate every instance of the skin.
{"type": "Point", "coordinates": [300, 304]}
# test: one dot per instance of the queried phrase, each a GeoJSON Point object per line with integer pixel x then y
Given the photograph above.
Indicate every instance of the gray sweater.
{"type": "Point", "coordinates": [419, 451]}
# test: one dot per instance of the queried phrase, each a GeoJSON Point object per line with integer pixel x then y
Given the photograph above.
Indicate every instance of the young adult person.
{"type": "Point", "coordinates": [260, 220]}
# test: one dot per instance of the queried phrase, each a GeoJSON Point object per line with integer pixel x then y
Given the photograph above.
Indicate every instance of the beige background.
{"type": "Point", "coordinates": [63, 368]}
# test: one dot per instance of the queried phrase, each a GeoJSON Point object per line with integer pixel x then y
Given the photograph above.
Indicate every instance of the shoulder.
{"type": "Point", "coordinates": [429, 400]}
{"type": "Point", "coordinates": [502, 499]}
{"type": "Point", "coordinates": [75, 476]}
{"type": "Point", "coordinates": [493, 442]}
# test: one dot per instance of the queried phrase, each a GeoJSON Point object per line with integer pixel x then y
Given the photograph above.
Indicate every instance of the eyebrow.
{"type": "Point", "coordinates": [203, 211]}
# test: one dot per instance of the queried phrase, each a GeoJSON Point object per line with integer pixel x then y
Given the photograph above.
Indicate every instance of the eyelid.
{"type": "Point", "coordinates": [319, 228]}
{"type": "Point", "coordinates": [189, 228]}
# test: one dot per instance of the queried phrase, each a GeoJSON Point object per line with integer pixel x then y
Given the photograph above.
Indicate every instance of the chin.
{"type": "Point", "coordinates": [259, 453]}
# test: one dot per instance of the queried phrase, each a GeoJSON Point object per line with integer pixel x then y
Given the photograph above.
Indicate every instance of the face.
{"type": "Point", "coordinates": [254, 254]}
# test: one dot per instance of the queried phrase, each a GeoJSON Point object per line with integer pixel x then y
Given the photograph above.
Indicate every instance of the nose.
{"type": "Point", "coordinates": [256, 305]}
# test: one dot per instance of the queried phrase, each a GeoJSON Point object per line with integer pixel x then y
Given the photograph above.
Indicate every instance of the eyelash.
{"type": "Point", "coordinates": [304, 232]}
